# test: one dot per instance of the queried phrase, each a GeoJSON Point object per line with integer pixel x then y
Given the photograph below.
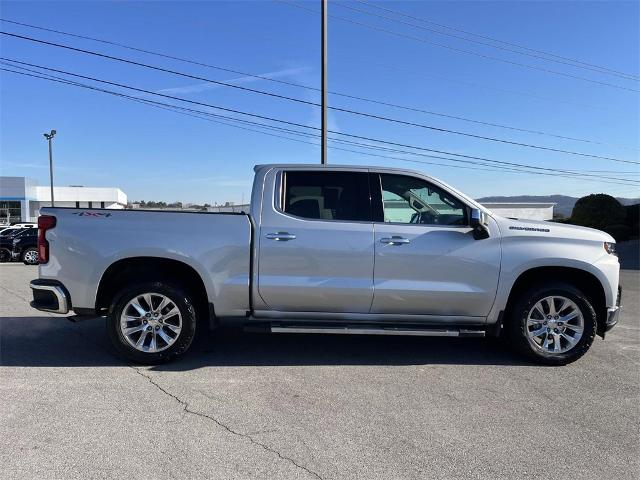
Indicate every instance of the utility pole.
{"type": "Point", "coordinates": [49, 137]}
{"type": "Point", "coordinates": [323, 141]}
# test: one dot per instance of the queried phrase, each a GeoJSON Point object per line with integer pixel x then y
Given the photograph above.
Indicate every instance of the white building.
{"type": "Point", "coordinates": [526, 211]}
{"type": "Point", "coordinates": [21, 198]}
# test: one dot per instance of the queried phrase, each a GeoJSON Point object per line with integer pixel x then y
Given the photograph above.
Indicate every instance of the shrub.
{"type": "Point", "coordinates": [633, 219]}
{"type": "Point", "coordinates": [598, 211]}
{"type": "Point", "coordinates": [619, 232]}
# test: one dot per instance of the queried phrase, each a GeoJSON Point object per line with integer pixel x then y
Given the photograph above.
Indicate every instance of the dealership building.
{"type": "Point", "coordinates": [21, 198]}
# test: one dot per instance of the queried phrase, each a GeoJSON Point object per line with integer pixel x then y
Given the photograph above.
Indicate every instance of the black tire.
{"type": "Point", "coordinates": [5, 255]}
{"type": "Point", "coordinates": [30, 250]}
{"type": "Point", "coordinates": [517, 323]}
{"type": "Point", "coordinates": [182, 300]}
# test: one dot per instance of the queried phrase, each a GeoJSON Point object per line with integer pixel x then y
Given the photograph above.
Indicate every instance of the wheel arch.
{"type": "Point", "coordinates": [583, 280]}
{"type": "Point", "coordinates": [149, 269]}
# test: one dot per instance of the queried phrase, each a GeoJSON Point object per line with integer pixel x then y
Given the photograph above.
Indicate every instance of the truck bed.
{"type": "Point", "coordinates": [85, 242]}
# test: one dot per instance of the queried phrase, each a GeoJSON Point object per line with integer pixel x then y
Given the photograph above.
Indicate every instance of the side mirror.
{"type": "Point", "coordinates": [478, 222]}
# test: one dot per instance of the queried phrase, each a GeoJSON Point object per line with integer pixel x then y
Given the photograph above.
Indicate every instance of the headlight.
{"type": "Point", "coordinates": [15, 240]}
{"type": "Point", "coordinates": [610, 248]}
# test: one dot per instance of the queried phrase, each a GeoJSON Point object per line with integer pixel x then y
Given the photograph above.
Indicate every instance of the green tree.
{"type": "Point", "coordinates": [598, 210]}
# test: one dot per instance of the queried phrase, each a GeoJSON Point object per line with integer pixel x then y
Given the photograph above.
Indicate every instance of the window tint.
{"type": "Point", "coordinates": [412, 200]}
{"type": "Point", "coordinates": [327, 195]}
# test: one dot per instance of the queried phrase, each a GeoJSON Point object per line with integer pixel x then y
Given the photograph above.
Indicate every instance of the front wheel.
{"type": "Point", "coordinates": [554, 324]}
{"type": "Point", "coordinates": [5, 255]}
{"type": "Point", "coordinates": [151, 323]}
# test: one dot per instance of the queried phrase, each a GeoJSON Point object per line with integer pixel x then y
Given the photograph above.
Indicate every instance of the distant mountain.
{"type": "Point", "coordinates": [564, 204]}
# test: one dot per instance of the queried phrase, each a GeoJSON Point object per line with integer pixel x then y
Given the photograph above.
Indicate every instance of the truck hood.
{"type": "Point", "coordinates": [516, 227]}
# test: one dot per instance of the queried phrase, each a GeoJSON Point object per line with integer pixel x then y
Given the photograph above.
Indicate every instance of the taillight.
{"type": "Point", "coordinates": [45, 222]}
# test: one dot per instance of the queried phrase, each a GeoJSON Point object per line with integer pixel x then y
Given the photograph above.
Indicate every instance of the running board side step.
{"type": "Point", "coordinates": [426, 332]}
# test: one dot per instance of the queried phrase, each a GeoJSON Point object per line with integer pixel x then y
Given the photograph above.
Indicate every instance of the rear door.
{"type": "Point", "coordinates": [426, 259]}
{"type": "Point", "coordinates": [316, 242]}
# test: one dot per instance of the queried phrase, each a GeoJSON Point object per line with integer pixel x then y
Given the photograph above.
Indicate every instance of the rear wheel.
{"type": "Point", "coordinates": [151, 323]}
{"type": "Point", "coordinates": [30, 256]}
{"type": "Point", "coordinates": [554, 324]}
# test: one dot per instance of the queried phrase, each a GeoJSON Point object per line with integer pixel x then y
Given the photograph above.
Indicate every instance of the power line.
{"type": "Point", "coordinates": [262, 117]}
{"type": "Point", "coordinates": [339, 109]}
{"type": "Point", "coordinates": [460, 50]}
{"type": "Point", "coordinates": [176, 109]}
{"type": "Point", "coordinates": [472, 159]}
{"type": "Point", "coordinates": [307, 87]}
{"type": "Point", "coordinates": [572, 63]}
{"type": "Point", "coordinates": [485, 37]}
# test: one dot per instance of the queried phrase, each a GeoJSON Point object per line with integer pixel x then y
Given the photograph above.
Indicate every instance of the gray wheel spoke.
{"type": "Point", "coordinates": [141, 340]}
{"type": "Point", "coordinates": [575, 328]}
{"type": "Point", "coordinates": [129, 331]}
{"type": "Point", "coordinates": [538, 332]}
{"type": "Point", "coordinates": [570, 316]}
{"type": "Point", "coordinates": [568, 338]}
{"type": "Point", "coordinates": [173, 328]}
{"type": "Point", "coordinates": [562, 305]}
{"type": "Point", "coordinates": [165, 301]}
{"type": "Point", "coordinates": [550, 305]}
{"type": "Point", "coordinates": [556, 343]}
{"type": "Point", "coordinates": [152, 344]}
{"type": "Point", "coordinates": [165, 337]}
{"type": "Point", "coordinates": [138, 331]}
{"type": "Point", "coordinates": [141, 311]}
{"type": "Point", "coordinates": [148, 299]}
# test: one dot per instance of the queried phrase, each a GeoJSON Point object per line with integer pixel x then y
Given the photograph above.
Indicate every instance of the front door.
{"type": "Point", "coordinates": [426, 259]}
{"type": "Point", "coordinates": [316, 243]}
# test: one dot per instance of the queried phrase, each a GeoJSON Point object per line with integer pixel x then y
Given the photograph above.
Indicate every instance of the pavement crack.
{"type": "Point", "coordinates": [187, 409]}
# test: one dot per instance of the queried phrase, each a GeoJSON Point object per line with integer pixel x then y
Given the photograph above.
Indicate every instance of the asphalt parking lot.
{"type": "Point", "coordinates": [324, 407]}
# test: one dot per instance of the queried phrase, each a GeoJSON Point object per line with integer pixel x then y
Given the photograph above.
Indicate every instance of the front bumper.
{"type": "Point", "coordinates": [613, 316]}
{"type": "Point", "coordinates": [613, 313]}
{"type": "Point", "coordinates": [50, 296]}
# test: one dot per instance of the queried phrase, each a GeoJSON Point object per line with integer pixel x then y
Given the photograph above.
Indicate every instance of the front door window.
{"type": "Point", "coordinates": [413, 200]}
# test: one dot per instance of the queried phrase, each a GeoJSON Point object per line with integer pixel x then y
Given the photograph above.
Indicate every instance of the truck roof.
{"type": "Point", "coordinates": [331, 167]}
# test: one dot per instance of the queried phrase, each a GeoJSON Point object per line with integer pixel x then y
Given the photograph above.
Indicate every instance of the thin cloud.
{"type": "Point", "coordinates": [200, 87]}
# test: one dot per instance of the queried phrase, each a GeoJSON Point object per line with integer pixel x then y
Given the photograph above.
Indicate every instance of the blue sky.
{"type": "Point", "coordinates": [155, 154]}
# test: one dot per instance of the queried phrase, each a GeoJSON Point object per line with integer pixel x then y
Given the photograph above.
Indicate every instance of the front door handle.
{"type": "Point", "coordinates": [280, 236]}
{"type": "Point", "coordinates": [395, 240]}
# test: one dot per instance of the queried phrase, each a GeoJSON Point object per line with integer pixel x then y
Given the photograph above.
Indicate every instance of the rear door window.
{"type": "Point", "coordinates": [342, 196]}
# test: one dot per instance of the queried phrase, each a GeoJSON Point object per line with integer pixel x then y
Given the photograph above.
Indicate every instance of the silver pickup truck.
{"type": "Point", "coordinates": [331, 250]}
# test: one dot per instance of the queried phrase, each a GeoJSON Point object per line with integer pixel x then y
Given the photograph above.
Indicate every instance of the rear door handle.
{"type": "Point", "coordinates": [281, 236]}
{"type": "Point", "coordinates": [395, 240]}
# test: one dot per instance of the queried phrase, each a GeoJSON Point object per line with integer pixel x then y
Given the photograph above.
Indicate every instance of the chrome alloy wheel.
{"type": "Point", "coordinates": [31, 257]}
{"type": "Point", "coordinates": [555, 324]}
{"type": "Point", "coordinates": [150, 322]}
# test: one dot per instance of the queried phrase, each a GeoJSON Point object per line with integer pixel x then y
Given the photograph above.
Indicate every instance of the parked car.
{"type": "Point", "coordinates": [331, 249]}
{"type": "Point", "coordinates": [11, 229]}
{"type": "Point", "coordinates": [25, 247]}
{"type": "Point", "coordinates": [6, 241]}
{"type": "Point", "coordinates": [24, 225]}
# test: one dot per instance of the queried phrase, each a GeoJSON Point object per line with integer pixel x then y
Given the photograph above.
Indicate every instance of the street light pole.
{"type": "Point", "coordinates": [323, 141]}
{"type": "Point", "coordinates": [49, 137]}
